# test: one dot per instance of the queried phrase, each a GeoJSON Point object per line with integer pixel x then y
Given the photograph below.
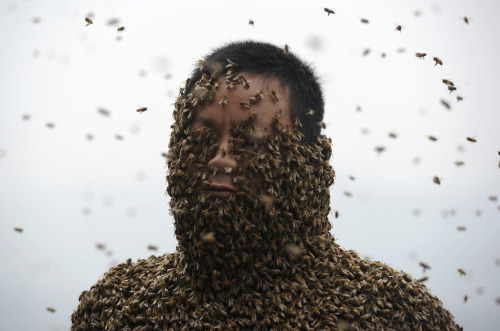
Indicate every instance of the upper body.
{"type": "Point", "coordinates": [249, 179]}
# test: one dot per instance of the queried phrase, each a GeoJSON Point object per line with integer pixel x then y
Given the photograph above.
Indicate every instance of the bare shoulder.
{"type": "Point", "coordinates": [380, 294]}
{"type": "Point", "coordinates": [113, 293]}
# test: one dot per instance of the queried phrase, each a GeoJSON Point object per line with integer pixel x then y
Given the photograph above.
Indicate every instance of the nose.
{"type": "Point", "coordinates": [223, 162]}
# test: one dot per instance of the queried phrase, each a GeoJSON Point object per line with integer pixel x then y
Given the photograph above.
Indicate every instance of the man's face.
{"type": "Point", "coordinates": [262, 101]}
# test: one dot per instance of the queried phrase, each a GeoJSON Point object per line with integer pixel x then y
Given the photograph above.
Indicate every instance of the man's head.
{"type": "Point", "coordinates": [300, 85]}
{"type": "Point", "coordinates": [243, 182]}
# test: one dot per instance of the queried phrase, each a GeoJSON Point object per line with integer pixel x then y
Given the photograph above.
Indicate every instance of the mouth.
{"type": "Point", "coordinates": [220, 191]}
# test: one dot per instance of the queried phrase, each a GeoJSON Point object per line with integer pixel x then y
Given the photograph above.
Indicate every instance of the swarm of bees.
{"type": "Point", "coordinates": [262, 258]}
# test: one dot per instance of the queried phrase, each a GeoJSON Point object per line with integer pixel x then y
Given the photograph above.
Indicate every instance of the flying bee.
{"type": "Point", "coordinates": [336, 214]}
{"type": "Point", "coordinates": [52, 310]}
{"type": "Point", "coordinates": [50, 125]}
{"type": "Point", "coordinates": [459, 163]}
{"type": "Point", "coordinates": [250, 22]}
{"type": "Point", "coordinates": [245, 104]}
{"type": "Point", "coordinates": [436, 180]}
{"type": "Point", "coordinates": [432, 138]}
{"type": "Point", "coordinates": [448, 82]}
{"type": "Point", "coordinates": [421, 55]}
{"type": "Point", "coordinates": [461, 228]}
{"type": "Point", "coordinates": [118, 137]}
{"type": "Point", "coordinates": [466, 19]}
{"type": "Point", "coordinates": [364, 20]}
{"type": "Point", "coordinates": [451, 88]}
{"type": "Point", "coordinates": [152, 247]}
{"type": "Point", "coordinates": [462, 272]}
{"type": "Point", "coordinates": [275, 95]}
{"type": "Point", "coordinates": [465, 298]}
{"type": "Point", "coordinates": [438, 61]}
{"type": "Point", "coordinates": [310, 112]}
{"type": "Point", "coordinates": [445, 104]}
{"type": "Point", "coordinates": [393, 135]}
{"type": "Point", "coordinates": [423, 279]}
{"type": "Point", "coordinates": [366, 52]}
{"type": "Point", "coordinates": [329, 11]}
{"type": "Point", "coordinates": [223, 101]}
{"type": "Point", "coordinates": [20, 230]}
{"type": "Point", "coordinates": [379, 149]}
{"type": "Point", "coordinates": [89, 21]}
{"type": "Point", "coordinates": [459, 98]}
{"type": "Point", "coordinates": [471, 139]}
{"type": "Point", "coordinates": [142, 109]}
{"type": "Point", "coordinates": [120, 29]}
{"type": "Point", "coordinates": [286, 49]}
{"type": "Point", "coordinates": [424, 265]}
{"type": "Point", "coordinates": [399, 28]}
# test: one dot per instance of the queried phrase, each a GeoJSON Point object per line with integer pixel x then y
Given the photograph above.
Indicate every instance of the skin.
{"type": "Point", "coordinates": [222, 119]}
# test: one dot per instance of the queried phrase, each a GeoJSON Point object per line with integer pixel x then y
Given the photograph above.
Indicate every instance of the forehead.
{"type": "Point", "coordinates": [239, 104]}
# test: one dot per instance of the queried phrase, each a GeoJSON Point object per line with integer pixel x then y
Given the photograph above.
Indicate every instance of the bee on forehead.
{"type": "Point", "coordinates": [245, 104]}
{"type": "Point", "coordinates": [252, 116]}
{"type": "Point", "coordinates": [223, 101]}
{"type": "Point", "coordinates": [89, 21]}
{"type": "Point", "coordinates": [420, 55]}
{"type": "Point", "coordinates": [438, 61]}
{"type": "Point", "coordinates": [276, 96]}
{"type": "Point", "coordinates": [329, 11]}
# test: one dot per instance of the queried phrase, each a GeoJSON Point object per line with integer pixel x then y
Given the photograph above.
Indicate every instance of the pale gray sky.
{"type": "Point", "coordinates": [69, 193]}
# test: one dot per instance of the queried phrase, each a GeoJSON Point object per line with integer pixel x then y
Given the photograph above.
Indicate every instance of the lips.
{"type": "Point", "coordinates": [220, 191]}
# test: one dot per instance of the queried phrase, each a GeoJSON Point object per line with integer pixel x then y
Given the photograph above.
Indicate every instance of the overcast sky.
{"type": "Point", "coordinates": [96, 179]}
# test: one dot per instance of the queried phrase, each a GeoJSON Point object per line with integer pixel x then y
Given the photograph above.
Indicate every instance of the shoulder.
{"type": "Point", "coordinates": [114, 290]}
{"type": "Point", "coordinates": [387, 294]}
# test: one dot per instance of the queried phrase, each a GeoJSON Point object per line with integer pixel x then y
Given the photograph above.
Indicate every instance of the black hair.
{"type": "Point", "coordinates": [296, 76]}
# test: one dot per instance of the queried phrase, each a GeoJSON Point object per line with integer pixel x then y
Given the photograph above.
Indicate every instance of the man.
{"type": "Point", "coordinates": [249, 180]}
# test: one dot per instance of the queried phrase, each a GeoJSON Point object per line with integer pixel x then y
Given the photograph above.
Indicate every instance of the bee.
{"type": "Point", "coordinates": [451, 88]}
{"type": "Point", "coordinates": [250, 22]}
{"type": "Point", "coordinates": [379, 149]}
{"type": "Point", "coordinates": [188, 82]}
{"type": "Point", "coordinates": [465, 298]}
{"type": "Point", "coordinates": [492, 198]}
{"type": "Point", "coordinates": [421, 55]}
{"type": "Point", "coordinates": [120, 29]}
{"type": "Point", "coordinates": [448, 82]}
{"type": "Point", "coordinates": [26, 117]}
{"type": "Point", "coordinates": [392, 135]}
{"type": "Point", "coordinates": [152, 247]}
{"type": "Point", "coordinates": [275, 95]}
{"type": "Point", "coordinates": [223, 101]}
{"type": "Point", "coordinates": [466, 19]}
{"type": "Point", "coordinates": [100, 246]}
{"type": "Point", "coordinates": [329, 11]}
{"type": "Point", "coordinates": [398, 28]}
{"type": "Point", "coordinates": [347, 194]}
{"type": "Point", "coordinates": [424, 265]}
{"type": "Point", "coordinates": [50, 125]}
{"type": "Point", "coordinates": [310, 112]}
{"type": "Point", "coordinates": [438, 61]}
{"type": "Point", "coordinates": [89, 21]}
{"type": "Point", "coordinates": [252, 116]}
{"type": "Point", "coordinates": [201, 64]}
{"type": "Point", "coordinates": [471, 139]}
{"type": "Point", "coordinates": [462, 272]}
{"type": "Point", "coordinates": [245, 104]}
{"type": "Point", "coordinates": [52, 310]}
{"type": "Point", "coordinates": [20, 230]}
{"type": "Point", "coordinates": [461, 228]}
{"type": "Point", "coordinates": [208, 237]}
{"type": "Point", "coordinates": [336, 214]}
{"type": "Point", "coordinates": [228, 170]}
{"type": "Point", "coordinates": [364, 20]}
{"type": "Point", "coordinates": [432, 138]}
{"type": "Point", "coordinates": [366, 52]}
{"type": "Point", "coordinates": [436, 180]}
{"type": "Point", "coordinates": [423, 279]}
{"type": "Point", "coordinates": [445, 104]}
{"type": "Point", "coordinates": [231, 64]}
{"type": "Point", "coordinates": [459, 163]}
{"type": "Point", "coordinates": [142, 109]}
{"type": "Point", "coordinates": [286, 50]}
{"type": "Point", "coordinates": [118, 137]}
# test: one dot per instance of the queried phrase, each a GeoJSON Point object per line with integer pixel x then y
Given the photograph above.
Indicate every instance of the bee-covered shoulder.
{"type": "Point", "coordinates": [119, 292]}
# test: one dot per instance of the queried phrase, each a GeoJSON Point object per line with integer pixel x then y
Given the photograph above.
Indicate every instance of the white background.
{"type": "Point", "coordinates": [69, 193]}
